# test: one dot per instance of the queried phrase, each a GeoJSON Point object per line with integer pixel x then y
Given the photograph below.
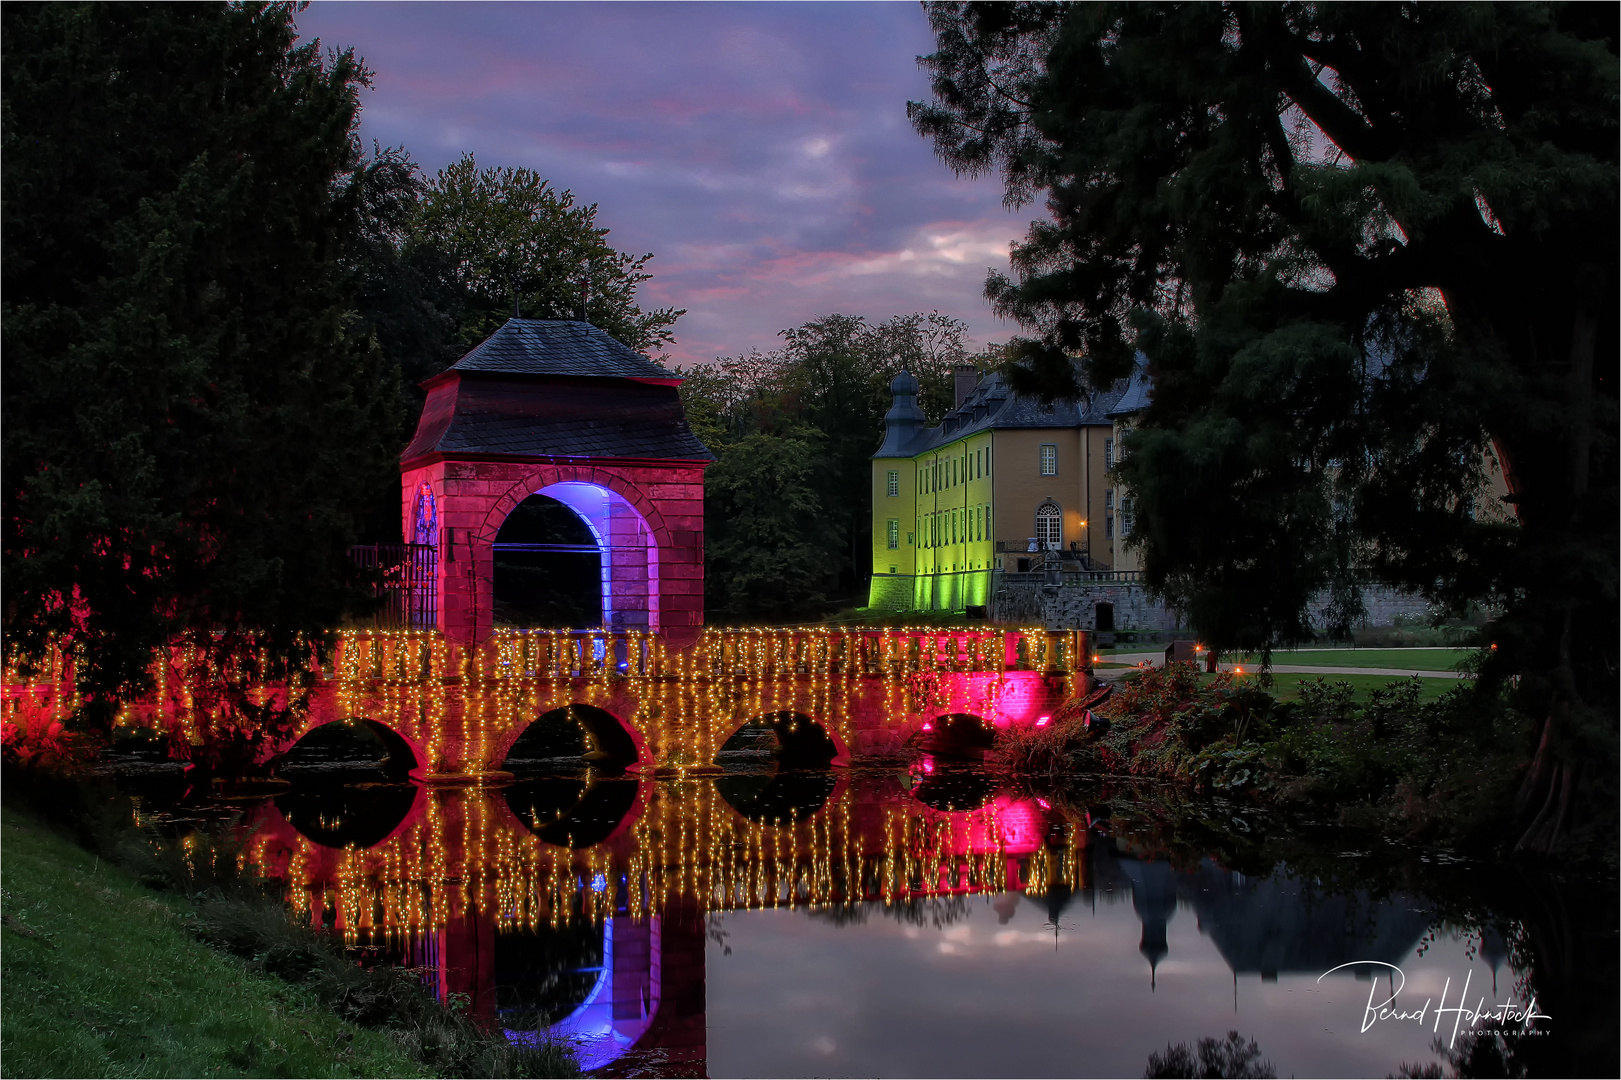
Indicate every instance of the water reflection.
{"type": "Point", "coordinates": [777, 797]}
{"type": "Point", "coordinates": [574, 811]}
{"type": "Point", "coordinates": [797, 923]}
{"type": "Point", "coordinates": [348, 815]}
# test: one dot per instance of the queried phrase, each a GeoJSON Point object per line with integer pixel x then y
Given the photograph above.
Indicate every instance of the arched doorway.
{"type": "Point", "coordinates": [576, 555]}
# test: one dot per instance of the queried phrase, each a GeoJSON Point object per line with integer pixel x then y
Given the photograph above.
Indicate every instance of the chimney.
{"type": "Point", "coordinates": [965, 377]}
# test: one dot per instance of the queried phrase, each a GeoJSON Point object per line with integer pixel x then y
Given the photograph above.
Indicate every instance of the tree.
{"type": "Point", "coordinates": [187, 425]}
{"type": "Point", "coordinates": [827, 387]}
{"type": "Point", "coordinates": [507, 234]}
{"type": "Point", "coordinates": [1359, 244]}
{"type": "Point", "coordinates": [771, 555]}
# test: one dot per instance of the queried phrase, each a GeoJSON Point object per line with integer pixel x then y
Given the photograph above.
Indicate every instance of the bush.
{"type": "Point", "coordinates": [1172, 724]}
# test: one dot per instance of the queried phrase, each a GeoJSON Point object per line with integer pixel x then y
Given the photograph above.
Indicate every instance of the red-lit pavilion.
{"type": "Point", "coordinates": [559, 408]}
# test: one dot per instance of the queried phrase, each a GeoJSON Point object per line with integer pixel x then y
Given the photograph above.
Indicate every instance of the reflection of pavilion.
{"type": "Point", "coordinates": [645, 1006]}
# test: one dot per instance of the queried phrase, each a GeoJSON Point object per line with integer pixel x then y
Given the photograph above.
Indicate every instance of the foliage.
{"type": "Point", "coordinates": [1233, 1056]}
{"type": "Point", "coordinates": [1360, 245]}
{"type": "Point", "coordinates": [770, 557]}
{"type": "Point", "coordinates": [1173, 724]}
{"type": "Point", "coordinates": [506, 235]}
{"type": "Point", "coordinates": [188, 429]}
{"type": "Point", "coordinates": [1439, 770]}
{"type": "Point", "coordinates": [827, 388]}
{"type": "Point", "coordinates": [1063, 746]}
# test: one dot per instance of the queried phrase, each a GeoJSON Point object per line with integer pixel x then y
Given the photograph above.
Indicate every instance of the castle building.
{"type": "Point", "coordinates": [1002, 484]}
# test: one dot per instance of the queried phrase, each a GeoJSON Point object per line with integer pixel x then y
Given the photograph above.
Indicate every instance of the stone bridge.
{"type": "Point", "coordinates": [830, 694]}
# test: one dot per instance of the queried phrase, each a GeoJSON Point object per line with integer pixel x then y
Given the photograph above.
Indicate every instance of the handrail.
{"type": "Point", "coordinates": [746, 653]}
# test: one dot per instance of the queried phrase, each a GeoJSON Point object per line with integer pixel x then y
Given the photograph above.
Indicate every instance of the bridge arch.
{"type": "Point", "coordinates": [340, 740]}
{"type": "Point", "coordinates": [955, 735]}
{"type": "Point", "coordinates": [800, 741]}
{"type": "Point", "coordinates": [589, 734]}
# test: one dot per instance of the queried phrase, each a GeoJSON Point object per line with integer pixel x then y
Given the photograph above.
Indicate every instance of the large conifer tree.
{"type": "Point", "coordinates": [1360, 244]}
{"type": "Point", "coordinates": [188, 428]}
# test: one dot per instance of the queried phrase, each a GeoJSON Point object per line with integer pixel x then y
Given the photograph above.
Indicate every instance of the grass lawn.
{"type": "Point", "coordinates": [1414, 659]}
{"type": "Point", "coordinates": [1287, 687]}
{"type": "Point", "coordinates": [1406, 659]}
{"type": "Point", "coordinates": [102, 979]}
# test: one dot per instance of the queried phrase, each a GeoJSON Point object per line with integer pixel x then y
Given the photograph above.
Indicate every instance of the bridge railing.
{"type": "Point", "coordinates": [404, 578]}
{"type": "Point", "coordinates": [720, 653]}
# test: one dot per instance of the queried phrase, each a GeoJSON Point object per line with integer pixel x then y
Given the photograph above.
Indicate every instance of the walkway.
{"type": "Point", "coordinates": [1158, 658]}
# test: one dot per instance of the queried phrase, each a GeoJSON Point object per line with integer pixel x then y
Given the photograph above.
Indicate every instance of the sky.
{"type": "Point", "coordinates": [761, 152]}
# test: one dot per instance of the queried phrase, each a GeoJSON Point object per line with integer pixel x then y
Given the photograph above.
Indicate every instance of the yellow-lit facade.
{"type": "Point", "coordinates": [1000, 485]}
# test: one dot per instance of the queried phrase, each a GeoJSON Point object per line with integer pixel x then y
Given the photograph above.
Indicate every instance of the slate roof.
{"type": "Point", "coordinates": [558, 347]}
{"type": "Point", "coordinates": [553, 388]}
{"type": "Point", "coordinates": [994, 406]}
{"type": "Point", "coordinates": [1135, 397]}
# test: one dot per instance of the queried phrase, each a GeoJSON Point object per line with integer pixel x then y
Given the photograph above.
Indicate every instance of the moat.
{"type": "Point", "coordinates": [932, 918]}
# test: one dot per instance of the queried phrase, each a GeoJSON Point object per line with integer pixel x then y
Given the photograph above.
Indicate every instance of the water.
{"type": "Point", "coordinates": [938, 921]}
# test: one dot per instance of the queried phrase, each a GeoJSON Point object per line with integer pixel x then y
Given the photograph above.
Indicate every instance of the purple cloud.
{"type": "Point", "coordinates": [760, 151]}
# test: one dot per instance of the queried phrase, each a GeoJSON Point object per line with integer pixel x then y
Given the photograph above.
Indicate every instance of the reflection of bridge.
{"type": "Point", "coordinates": [864, 692]}
{"type": "Point", "coordinates": [462, 880]}
{"type": "Point", "coordinates": [466, 885]}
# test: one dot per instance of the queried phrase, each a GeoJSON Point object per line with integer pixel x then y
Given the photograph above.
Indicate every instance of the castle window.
{"type": "Point", "coordinates": [1125, 517]}
{"type": "Point", "coordinates": [1049, 459]}
{"type": "Point", "coordinates": [1108, 453]}
{"type": "Point", "coordinates": [894, 483]}
{"type": "Point", "coordinates": [1049, 527]}
{"type": "Point", "coordinates": [894, 530]}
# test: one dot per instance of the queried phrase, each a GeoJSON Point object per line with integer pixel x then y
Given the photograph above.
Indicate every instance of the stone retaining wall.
{"type": "Point", "coordinates": [1074, 606]}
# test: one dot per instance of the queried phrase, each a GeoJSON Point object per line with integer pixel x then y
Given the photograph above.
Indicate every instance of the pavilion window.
{"type": "Point", "coordinates": [1049, 459]}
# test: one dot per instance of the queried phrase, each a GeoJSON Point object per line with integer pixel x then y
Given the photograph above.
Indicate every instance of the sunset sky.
{"type": "Point", "coordinates": [761, 152]}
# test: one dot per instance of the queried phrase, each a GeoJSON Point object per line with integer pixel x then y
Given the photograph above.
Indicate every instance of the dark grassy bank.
{"type": "Point", "coordinates": [103, 978]}
{"type": "Point", "coordinates": [86, 995]}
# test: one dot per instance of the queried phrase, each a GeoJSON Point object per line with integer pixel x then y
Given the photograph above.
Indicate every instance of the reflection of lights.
{"type": "Point", "coordinates": [928, 765]}
{"type": "Point", "coordinates": [1043, 721]}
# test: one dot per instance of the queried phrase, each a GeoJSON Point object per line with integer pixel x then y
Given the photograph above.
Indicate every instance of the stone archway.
{"type": "Point", "coordinates": [650, 517]}
{"type": "Point", "coordinates": [627, 552]}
